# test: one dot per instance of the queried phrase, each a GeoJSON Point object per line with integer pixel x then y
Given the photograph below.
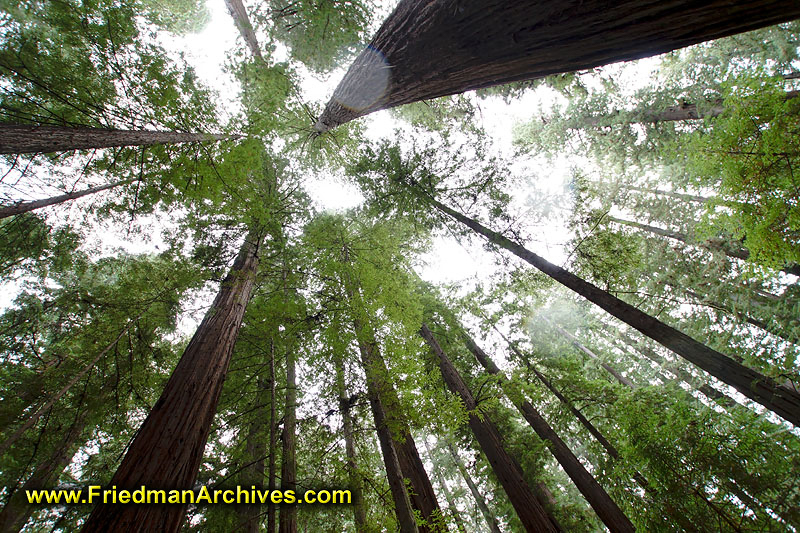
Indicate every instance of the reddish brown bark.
{"type": "Point", "coordinates": [168, 447]}
{"type": "Point", "coordinates": [432, 48]}
{"type": "Point", "coordinates": [606, 508]}
{"type": "Point", "coordinates": [530, 512]}
{"type": "Point", "coordinates": [422, 496]}
{"type": "Point", "coordinates": [26, 139]}
{"type": "Point", "coordinates": [24, 207]}
{"type": "Point", "coordinates": [781, 400]}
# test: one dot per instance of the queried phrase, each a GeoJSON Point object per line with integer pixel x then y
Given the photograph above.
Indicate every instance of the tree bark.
{"type": "Point", "coordinates": [288, 513]}
{"type": "Point", "coordinates": [671, 194]}
{"type": "Point", "coordinates": [762, 389]}
{"type": "Point", "coordinates": [24, 207]}
{"type": "Point", "coordinates": [17, 510]}
{"type": "Point", "coordinates": [273, 439]}
{"type": "Point", "coordinates": [731, 249]}
{"type": "Point", "coordinates": [255, 453]}
{"type": "Point", "coordinates": [27, 139]}
{"type": "Point", "coordinates": [491, 521]}
{"type": "Point", "coordinates": [239, 14]}
{"type": "Point", "coordinates": [607, 510]}
{"type": "Point", "coordinates": [422, 495]}
{"type": "Point", "coordinates": [501, 41]}
{"type": "Point", "coordinates": [356, 488]}
{"type": "Point", "coordinates": [530, 512]}
{"type": "Point", "coordinates": [168, 448]}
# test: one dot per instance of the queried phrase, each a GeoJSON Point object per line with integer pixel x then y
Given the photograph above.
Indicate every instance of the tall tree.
{"type": "Point", "coordinates": [531, 513]}
{"type": "Point", "coordinates": [169, 446]}
{"type": "Point", "coordinates": [511, 41]}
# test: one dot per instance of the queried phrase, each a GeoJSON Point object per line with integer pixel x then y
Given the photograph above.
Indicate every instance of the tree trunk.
{"type": "Point", "coordinates": [168, 447]}
{"type": "Point", "coordinates": [239, 14]}
{"type": "Point", "coordinates": [531, 513]}
{"type": "Point", "coordinates": [676, 195]}
{"type": "Point", "coordinates": [731, 249]}
{"type": "Point", "coordinates": [356, 489]}
{"type": "Point", "coordinates": [273, 439]}
{"type": "Point", "coordinates": [24, 207]}
{"type": "Point", "coordinates": [27, 139]}
{"type": "Point", "coordinates": [451, 502]}
{"type": "Point", "coordinates": [501, 41]}
{"type": "Point", "coordinates": [255, 453]}
{"type": "Point", "coordinates": [422, 495]}
{"type": "Point", "coordinates": [17, 511]}
{"type": "Point", "coordinates": [762, 389]}
{"type": "Point", "coordinates": [376, 391]}
{"type": "Point", "coordinates": [491, 521]}
{"type": "Point", "coordinates": [606, 509]}
{"type": "Point", "coordinates": [288, 513]}
{"type": "Point", "coordinates": [608, 368]}
{"type": "Point", "coordinates": [709, 391]}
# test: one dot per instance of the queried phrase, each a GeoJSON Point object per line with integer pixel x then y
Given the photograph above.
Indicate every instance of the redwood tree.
{"type": "Point", "coordinates": [168, 448]}
{"type": "Point", "coordinates": [501, 41]}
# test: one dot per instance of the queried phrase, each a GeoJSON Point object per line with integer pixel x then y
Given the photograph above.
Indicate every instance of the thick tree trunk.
{"type": "Point", "coordinates": [24, 207]}
{"type": "Point", "coordinates": [255, 453]}
{"type": "Point", "coordinates": [608, 511]}
{"type": "Point", "coordinates": [168, 448]}
{"type": "Point", "coordinates": [451, 502]}
{"type": "Point", "coordinates": [762, 389]}
{"type": "Point", "coordinates": [25, 139]}
{"type": "Point", "coordinates": [422, 495]}
{"type": "Point", "coordinates": [480, 501]}
{"type": "Point", "coordinates": [427, 49]}
{"type": "Point", "coordinates": [239, 14]}
{"type": "Point", "coordinates": [731, 249]}
{"type": "Point", "coordinates": [17, 511]}
{"type": "Point", "coordinates": [288, 513]}
{"type": "Point", "coordinates": [356, 489]}
{"type": "Point", "coordinates": [530, 512]}
{"type": "Point", "coordinates": [575, 342]}
{"type": "Point", "coordinates": [377, 390]}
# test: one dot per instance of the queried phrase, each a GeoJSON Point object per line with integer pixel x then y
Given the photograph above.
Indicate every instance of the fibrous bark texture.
{"type": "Point", "coordinates": [168, 448]}
{"type": "Point", "coordinates": [432, 48]}
{"type": "Point", "coordinates": [26, 139]}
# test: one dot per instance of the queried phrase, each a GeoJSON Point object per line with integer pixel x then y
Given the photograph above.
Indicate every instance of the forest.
{"type": "Point", "coordinates": [525, 266]}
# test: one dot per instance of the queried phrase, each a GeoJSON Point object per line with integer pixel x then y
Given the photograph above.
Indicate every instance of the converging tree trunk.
{"type": "Point", "coordinates": [730, 248]}
{"type": "Point", "coordinates": [608, 511]}
{"type": "Point", "coordinates": [26, 139]}
{"type": "Point", "coordinates": [530, 512]}
{"type": "Point", "coordinates": [760, 388]}
{"type": "Point", "coordinates": [435, 48]}
{"type": "Point", "coordinates": [273, 439]}
{"type": "Point", "coordinates": [451, 502]}
{"type": "Point", "coordinates": [24, 207]}
{"type": "Point", "coordinates": [168, 447]}
{"type": "Point", "coordinates": [359, 511]}
{"type": "Point", "coordinates": [239, 14]}
{"type": "Point", "coordinates": [575, 342]}
{"type": "Point", "coordinates": [480, 501]}
{"type": "Point", "coordinates": [255, 452]}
